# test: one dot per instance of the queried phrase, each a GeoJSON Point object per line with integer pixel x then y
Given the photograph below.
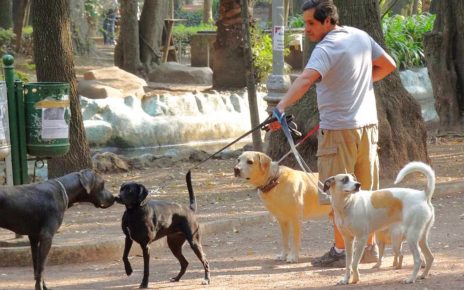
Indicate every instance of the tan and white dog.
{"type": "Point", "coordinates": [289, 195]}
{"type": "Point", "coordinates": [392, 235]}
{"type": "Point", "coordinates": [358, 213]}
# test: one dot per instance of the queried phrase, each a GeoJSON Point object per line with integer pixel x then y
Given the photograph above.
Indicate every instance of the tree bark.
{"type": "Point", "coordinates": [80, 32]}
{"type": "Point", "coordinates": [445, 63]}
{"type": "Point", "coordinates": [127, 51]}
{"type": "Point", "coordinates": [19, 23]}
{"type": "Point", "coordinates": [228, 48]}
{"type": "Point", "coordinates": [151, 32]}
{"type": "Point", "coordinates": [6, 14]}
{"type": "Point", "coordinates": [402, 132]}
{"type": "Point", "coordinates": [208, 11]}
{"type": "Point", "coordinates": [54, 62]}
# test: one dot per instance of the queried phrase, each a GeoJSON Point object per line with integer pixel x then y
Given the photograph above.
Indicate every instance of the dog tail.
{"type": "Point", "coordinates": [423, 168]}
{"type": "Point", "coordinates": [193, 202]}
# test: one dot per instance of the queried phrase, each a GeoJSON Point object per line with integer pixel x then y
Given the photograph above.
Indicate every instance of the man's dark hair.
{"type": "Point", "coordinates": [323, 9]}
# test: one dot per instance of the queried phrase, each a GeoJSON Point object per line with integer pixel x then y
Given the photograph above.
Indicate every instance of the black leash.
{"type": "Point", "coordinates": [270, 119]}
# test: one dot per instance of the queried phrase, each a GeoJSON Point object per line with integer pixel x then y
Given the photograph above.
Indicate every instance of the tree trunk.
{"type": "Point", "coordinates": [19, 22]}
{"type": "Point", "coordinates": [445, 63]}
{"type": "Point", "coordinates": [151, 31]}
{"type": "Point", "coordinates": [80, 30]}
{"type": "Point", "coordinates": [54, 62]}
{"type": "Point", "coordinates": [228, 59]}
{"type": "Point", "coordinates": [402, 132]}
{"type": "Point", "coordinates": [6, 14]}
{"type": "Point", "coordinates": [208, 11]}
{"type": "Point", "coordinates": [127, 52]}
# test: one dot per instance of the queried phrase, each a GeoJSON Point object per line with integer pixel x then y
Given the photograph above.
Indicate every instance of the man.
{"type": "Point", "coordinates": [343, 65]}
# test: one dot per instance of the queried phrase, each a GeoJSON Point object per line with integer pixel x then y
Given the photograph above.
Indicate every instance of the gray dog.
{"type": "Point", "coordinates": [37, 210]}
{"type": "Point", "coordinates": [147, 221]}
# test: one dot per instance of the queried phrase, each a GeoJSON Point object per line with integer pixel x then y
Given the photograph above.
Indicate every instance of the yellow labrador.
{"type": "Point", "coordinates": [289, 195]}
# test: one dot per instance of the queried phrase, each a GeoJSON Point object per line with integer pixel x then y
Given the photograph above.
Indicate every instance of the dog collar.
{"type": "Point", "coordinates": [64, 193]}
{"type": "Point", "coordinates": [270, 185]}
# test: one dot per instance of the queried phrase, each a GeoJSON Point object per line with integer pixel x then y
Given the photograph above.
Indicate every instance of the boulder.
{"type": "Point", "coordinates": [173, 72]}
{"type": "Point", "coordinates": [97, 90]}
{"type": "Point", "coordinates": [129, 84]}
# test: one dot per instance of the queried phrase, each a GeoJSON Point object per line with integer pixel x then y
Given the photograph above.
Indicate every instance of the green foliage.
{"type": "Point", "coordinates": [404, 38]}
{"type": "Point", "coordinates": [261, 46]}
{"type": "Point", "coordinates": [296, 21]}
{"type": "Point", "coordinates": [183, 33]}
{"type": "Point", "coordinates": [93, 8]}
{"type": "Point", "coordinates": [6, 40]}
{"type": "Point", "coordinates": [192, 18]}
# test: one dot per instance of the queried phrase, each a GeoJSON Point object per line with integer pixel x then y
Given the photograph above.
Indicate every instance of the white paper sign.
{"type": "Point", "coordinates": [54, 125]}
{"type": "Point", "coordinates": [278, 38]}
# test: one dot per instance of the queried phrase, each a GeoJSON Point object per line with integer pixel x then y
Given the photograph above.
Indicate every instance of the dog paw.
{"type": "Point", "coordinates": [343, 282]}
{"type": "Point", "coordinates": [292, 259]}
{"type": "Point", "coordinates": [174, 279]}
{"type": "Point", "coordinates": [143, 286]}
{"type": "Point", "coordinates": [205, 282]}
{"type": "Point", "coordinates": [422, 276]}
{"type": "Point", "coordinates": [376, 266]}
{"type": "Point", "coordinates": [408, 281]}
{"type": "Point", "coordinates": [128, 270]}
{"type": "Point", "coordinates": [281, 257]}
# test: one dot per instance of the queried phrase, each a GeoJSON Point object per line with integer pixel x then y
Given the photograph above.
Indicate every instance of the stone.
{"type": "Point", "coordinates": [96, 90]}
{"type": "Point", "coordinates": [98, 132]}
{"type": "Point", "coordinates": [129, 84]}
{"type": "Point", "coordinates": [173, 72]}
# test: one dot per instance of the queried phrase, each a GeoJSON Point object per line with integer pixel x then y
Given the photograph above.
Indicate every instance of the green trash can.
{"type": "Point", "coordinates": [47, 117]}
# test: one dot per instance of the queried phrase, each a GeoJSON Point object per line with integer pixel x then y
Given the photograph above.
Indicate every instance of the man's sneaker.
{"type": "Point", "coordinates": [371, 254]}
{"type": "Point", "coordinates": [331, 259]}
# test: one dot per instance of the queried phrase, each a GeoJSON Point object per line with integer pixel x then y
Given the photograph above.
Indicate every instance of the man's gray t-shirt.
{"type": "Point", "coordinates": [345, 93]}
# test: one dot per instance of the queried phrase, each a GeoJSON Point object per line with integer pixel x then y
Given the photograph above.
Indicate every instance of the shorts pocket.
{"type": "Point", "coordinates": [326, 152]}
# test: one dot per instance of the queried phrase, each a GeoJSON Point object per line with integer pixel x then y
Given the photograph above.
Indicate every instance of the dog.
{"type": "Point", "coordinates": [357, 213]}
{"type": "Point", "coordinates": [147, 221]}
{"type": "Point", "coordinates": [392, 235]}
{"type": "Point", "coordinates": [37, 210]}
{"type": "Point", "coordinates": [289, 195]}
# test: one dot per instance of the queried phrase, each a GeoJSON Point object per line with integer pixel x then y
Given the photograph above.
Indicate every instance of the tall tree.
{"type": "Point", "coordinates": [228, 47]}
{"type": "Point", "coordinates": [207, 11]}
{"type": "Point", "coordinates": [402, 132]}
{"type": "Point", "coordinates": [445, 63]}
{"type": "Point", "coordinates": [6, 14]}
{"type": "Point", "coordinates": [54, 63]}
{"type": "Point", "coordinates": [22, 6]}
{"type": "Point", "coordinates": [139, 43]}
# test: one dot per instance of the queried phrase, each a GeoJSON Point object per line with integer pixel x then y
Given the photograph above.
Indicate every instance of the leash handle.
{"type": "Point", "coordinates": [283, 122]}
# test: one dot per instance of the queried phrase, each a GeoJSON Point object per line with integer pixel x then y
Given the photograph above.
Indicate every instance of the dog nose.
{"type": "Point", "coordinates": [236, 171]}
{"type": "Point", "coordinates": [357, 186]}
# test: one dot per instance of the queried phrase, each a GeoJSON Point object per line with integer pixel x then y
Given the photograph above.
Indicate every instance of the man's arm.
{"type": "Point", "coordinates": [298, 88]}
{"type": "Point", "coordinates": [382, 67]}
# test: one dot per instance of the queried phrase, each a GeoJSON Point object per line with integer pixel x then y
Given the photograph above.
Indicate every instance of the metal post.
{"type": "Point", "coordinates": [19, 96]}
{"type": "Point", "coordinates": [278, 83]}
{"type": "Point", "coordinates": [8, 61]}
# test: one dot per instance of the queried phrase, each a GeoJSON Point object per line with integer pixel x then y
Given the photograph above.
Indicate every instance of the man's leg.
{"type": "Point", "coordinates": [335, 151]}
{"type": "Point", "coordinates": [367, 173]}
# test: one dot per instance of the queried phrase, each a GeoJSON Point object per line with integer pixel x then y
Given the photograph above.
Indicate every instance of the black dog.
{"type": "Point", "coordinates": [37, 210]}
{"type": "Point", "coordinates": [147, 221]}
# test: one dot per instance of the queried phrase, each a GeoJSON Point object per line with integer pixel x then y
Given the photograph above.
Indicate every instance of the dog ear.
{"type": "Point", "coordinates": [87, 179]}
{"type": "Point", "coordinates": [143, 193]}
{"type": "Point", "coordinates": [264, 162]}
{"type": "Point", "coordinates": [328, 183]}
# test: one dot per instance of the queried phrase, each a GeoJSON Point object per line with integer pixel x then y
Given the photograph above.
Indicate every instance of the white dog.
{"type": "Point", "coordinates": [358, 213]}
{"type": "Point", "coordinates": [289, 195]}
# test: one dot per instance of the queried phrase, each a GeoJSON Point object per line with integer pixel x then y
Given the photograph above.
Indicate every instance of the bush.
{"type": "Point", "coordinates": [182, 33]}
{"type": "Point", "coordinates": [6, 41]}
{"type": "Point", "coordinates": [261, 46]}
{"type": "Point", "coordinates": [404, 37]}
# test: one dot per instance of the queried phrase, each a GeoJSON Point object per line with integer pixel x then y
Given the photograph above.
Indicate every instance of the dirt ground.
{"type": "Point", "coordinates": [244, 257]}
